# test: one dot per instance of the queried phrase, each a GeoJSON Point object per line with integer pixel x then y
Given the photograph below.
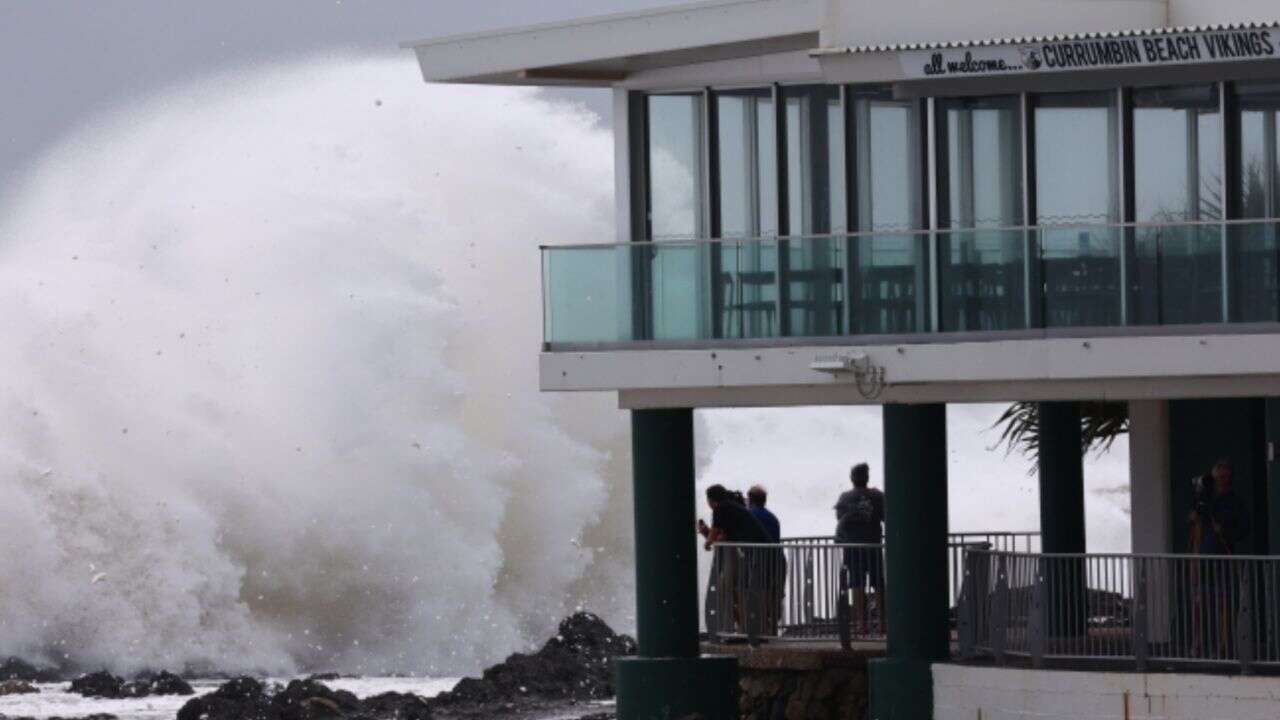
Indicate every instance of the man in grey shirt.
{"type": "Point", "coordinates": [860, 521]}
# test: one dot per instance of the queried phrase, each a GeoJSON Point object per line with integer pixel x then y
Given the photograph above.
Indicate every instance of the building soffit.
{"type": "Point", "coordinates": [602, 51]}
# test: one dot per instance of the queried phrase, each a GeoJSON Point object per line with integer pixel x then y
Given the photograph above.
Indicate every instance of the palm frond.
{"type": "Point", "coordinates": [1100, 424]}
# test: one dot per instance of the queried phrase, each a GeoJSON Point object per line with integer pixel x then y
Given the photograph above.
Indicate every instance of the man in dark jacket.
{"type": "Point", "coordinates": [860, 521]}
{"type": "Point", "coordinates": [1220, 522]}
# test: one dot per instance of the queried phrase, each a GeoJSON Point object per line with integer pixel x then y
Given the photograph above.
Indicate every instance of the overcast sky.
{"type": "Point", "coordinates": [62, 60]}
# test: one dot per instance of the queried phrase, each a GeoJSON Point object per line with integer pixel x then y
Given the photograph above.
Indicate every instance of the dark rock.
{"type": "Point", "coordinates": [248, 699]}
{"type": "Point", "coordinates": [17, 687]}
{"type": "Point", "coordinates": [324, 676]}
{"type": "Point", "coordinates": [101, 684]}
{"type": "Point", "coordinates": [105, 685]}
{"type": "Point", "coordinates": [312, 700]}
{"type": "Point", "coordinates": [396, 706]}
{"type": "Point", "coordinates": [166, 683]}
{"type": "Point", "coordinates": [242, 698]}
{"type": "Point", "coordinates": [17, 669]}
{"type": "Point", "coordinates": [576, 664]}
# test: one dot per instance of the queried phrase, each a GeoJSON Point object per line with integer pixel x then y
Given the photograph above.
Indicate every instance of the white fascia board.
{"type": "Point", "coordinates": [855, 23]}
{"type": "Point", "coordinates": [1164, 366]}
{"type": "Point", "coordinates": [612, 40]}
{"type": "Point", "coordinates": [1183, 13]}
{"type": "Point", "coordinates": [798, 66]}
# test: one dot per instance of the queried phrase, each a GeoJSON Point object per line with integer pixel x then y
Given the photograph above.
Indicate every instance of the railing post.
{"type": "Point", "coordinates": [1035, 618]}
{"type": "Point", "coordinates": [714, 604]}
{"type": "Point", "coordinates": [844, 614]}
{"type": "Point", "coordinates": [966, 604]}
{"type": "Point", "coordinates": [750, 567]}
{"type": "Point", "coordinates": [1000, 610]}
{"type": "Point", "coordinates": [1244, 616]}
{"type": "Point", "coordinates": [1140, 622]}
{"type": "Point", "coordinates": [808, 588]}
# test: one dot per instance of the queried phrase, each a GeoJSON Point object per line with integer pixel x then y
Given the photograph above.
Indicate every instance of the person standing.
{"type": "Point", "coordinates": [860, 521]}
{"type": "Point", "coordinates": [757, 496]}
{"type": "Point", "coordinates": [742, 570]}
{"type": "Point", "coordinates": [775, 560]}
{"type": "Point", "coordinates": [1219, 524]}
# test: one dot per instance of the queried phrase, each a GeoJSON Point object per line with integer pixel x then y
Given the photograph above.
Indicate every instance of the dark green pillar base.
{"type": "Point", "coordinates": [900, 689]}
{"type": "Point", "coordinates": [672, 688]}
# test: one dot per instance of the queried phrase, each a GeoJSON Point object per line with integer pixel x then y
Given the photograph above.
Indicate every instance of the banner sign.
{"type": "Point", "coordinates": [1093, 54]}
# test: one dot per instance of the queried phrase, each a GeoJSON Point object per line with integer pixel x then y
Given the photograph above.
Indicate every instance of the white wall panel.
{"type": "Point", "coordinates": [969, 693]}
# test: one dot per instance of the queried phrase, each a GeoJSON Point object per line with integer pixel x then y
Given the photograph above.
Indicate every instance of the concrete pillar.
{"type": "Point", "coordinates": [1151, 524]}
{"type": "Point", "coordinates": [1150, 501]}
{"type": "Point", "coordinates": [668, 678]}
{"type": "Point", "coordinates": [915, 482]}
{"type": "Point", "coordinates": [1062, 518]}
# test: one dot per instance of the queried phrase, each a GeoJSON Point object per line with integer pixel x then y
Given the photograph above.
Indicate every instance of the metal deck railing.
{"type": "Point", "coordinates": [912, 285]}
{"type": "Point", "coordinates": [800, 589]}
{"type": "Point", "coordinates": [1121, 610]}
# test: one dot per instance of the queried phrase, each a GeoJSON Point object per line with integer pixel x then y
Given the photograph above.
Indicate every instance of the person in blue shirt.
{"type": "Point", "coordinates": [775, 561]}
{"type": "Point", "coordinates": [756, 498]}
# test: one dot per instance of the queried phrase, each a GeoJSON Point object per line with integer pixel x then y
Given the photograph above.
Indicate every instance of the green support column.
{"type": "Point", "coordinates": [915, 485]}
{"type": "Point", "coordinates": [1061, 478]}
{"type": "Point", "coordinates": [1062, 518]}
{"type": "Point", "coordinates": [669, 679]}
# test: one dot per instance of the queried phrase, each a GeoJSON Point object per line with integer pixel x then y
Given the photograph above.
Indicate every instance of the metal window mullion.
{"type": "Point", "coordinates": [784, 222]}
{"type": "Point", "coordinates": [850, 206]}
{"type": "Point", "coordinates": [1227, 145]}
{"type": "Point", "coordinates": [1033, 291]}
{"type": "Point", "coordinates": [711, 213]}
{"type": "Point", "coordinates": [1270, 158]}
{"type": "Point", "coordinates": [641, 215]}
{"type": "Point", "coordinates": [931, 189]}
{"type": "Point", "coordinates": [1124, 108]}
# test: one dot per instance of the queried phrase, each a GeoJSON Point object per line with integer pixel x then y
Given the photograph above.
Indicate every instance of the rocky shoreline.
{"type": "Point", "coordinates": [571, 671]}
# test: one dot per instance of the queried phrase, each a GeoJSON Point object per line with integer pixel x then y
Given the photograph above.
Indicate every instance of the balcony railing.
{"type": "Point", "coordinates": [912, 283]}
{"type": "Point", "coordinates": [800, 589]}
{"type": "Point", "coordinates": [1142, 612]}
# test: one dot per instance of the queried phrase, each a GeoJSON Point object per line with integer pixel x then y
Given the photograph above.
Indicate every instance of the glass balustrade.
{"type": "Point", "coordinates": [912, 283]}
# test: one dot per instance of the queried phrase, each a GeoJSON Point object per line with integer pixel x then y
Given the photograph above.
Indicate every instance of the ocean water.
{"type": "Point", "coordinates": [53, 699]}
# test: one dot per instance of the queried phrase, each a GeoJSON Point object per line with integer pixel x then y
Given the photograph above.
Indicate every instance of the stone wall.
{"type": "Point", "coordinates": [800, 683]}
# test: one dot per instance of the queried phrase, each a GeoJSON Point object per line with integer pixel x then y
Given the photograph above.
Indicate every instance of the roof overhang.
{"type": "Point", "coordinates": [601, 51]}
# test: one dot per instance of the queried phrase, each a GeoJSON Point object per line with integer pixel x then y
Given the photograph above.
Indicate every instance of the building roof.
{"type": "Point", "coordinates": [1037, 39]}
{"type": "Point", "coordinates": [600, 51]}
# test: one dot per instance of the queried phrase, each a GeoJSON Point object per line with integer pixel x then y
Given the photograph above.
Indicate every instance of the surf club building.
{"type": "Point", "coordinates": [911, 203]}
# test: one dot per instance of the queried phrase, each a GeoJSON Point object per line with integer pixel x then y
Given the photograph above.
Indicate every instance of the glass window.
{"type": "Point", "coordinates": [981, 269]}
{"type": "Point", "coordinates": [1253, 250]}
{"type": "Point", "coordinates": [1176, 275]}
{"type": "Point", "coordinates": [815, 206]}
{"type": "Point", "coordinates": [982, 147]}
{"type": "Point", "coordinates": [748, 164]}
{"type": "Point", "coordinates": [815, 160]}
{"type": "Point", "coordinates": [1177, 154]}
{"type": "Point", "coordinates": [1076, 167]}
{"type": "Point", "coordinates": [678, 273]}
{"type": "Point", "coordinates": [675, 166]}
{"type": "Point", "coordinates": [747, 158]}
{"type": "Point", "coordinates": [889, 268]}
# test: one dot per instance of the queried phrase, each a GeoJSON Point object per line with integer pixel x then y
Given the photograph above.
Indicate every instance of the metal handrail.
{"type": "Point", "coordinates": [1133, 609]}
{"type": "Point", "coordinates": [809, 580]}
{"type": "Point", "coordinates": [700, 240]}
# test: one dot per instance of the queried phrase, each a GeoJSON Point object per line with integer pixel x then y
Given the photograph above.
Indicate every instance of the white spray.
{"type": "Point", "coordinates": [270, 395]}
